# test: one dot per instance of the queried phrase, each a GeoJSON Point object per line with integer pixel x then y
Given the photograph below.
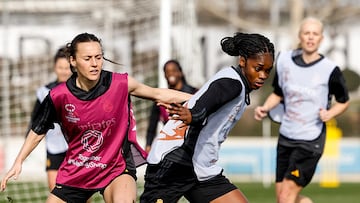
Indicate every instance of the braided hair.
{"type": "Point", "coordinates": [247, 45]}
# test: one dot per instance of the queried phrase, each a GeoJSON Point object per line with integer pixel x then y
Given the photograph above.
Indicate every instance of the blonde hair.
{"type": "Point", "coordinates": [313, 20]}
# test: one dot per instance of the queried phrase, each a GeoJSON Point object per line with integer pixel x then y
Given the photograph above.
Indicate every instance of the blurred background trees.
{"type": "Point", "coordinates": [142, 34]}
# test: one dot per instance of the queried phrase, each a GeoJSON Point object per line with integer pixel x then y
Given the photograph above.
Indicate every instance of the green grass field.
{"type": "Point", "coordinates": [345, 193]}
{"type": "Point", "coordinates": [255, 192]}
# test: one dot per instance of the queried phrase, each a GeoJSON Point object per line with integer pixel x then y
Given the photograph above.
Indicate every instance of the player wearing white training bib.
{"type": "Point", "coordinates": [305, 82]}
{"type": "Point", "coordinates": [218, 124]}
{"type": "Point", "coordinates": [183, 158]}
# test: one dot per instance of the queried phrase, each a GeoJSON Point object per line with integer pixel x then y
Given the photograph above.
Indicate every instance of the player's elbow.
{"type": "Point", "coordinates": [346, 105]}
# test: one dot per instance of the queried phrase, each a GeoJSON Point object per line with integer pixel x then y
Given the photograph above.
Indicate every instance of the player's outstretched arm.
{"type": "Point", "coordinates": [164, 95]}
{"type": "Point", "coordinates": [261, 112]}
{"type": "Point", "coordinates": [31, 141]}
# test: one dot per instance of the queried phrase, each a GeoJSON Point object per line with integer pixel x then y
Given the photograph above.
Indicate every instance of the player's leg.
{"type": "Point", "coordinates": [290, 193]}
{"type": "Point", "coordinates": [121, 189]}
{"type": "Point", "coordinates": [235, 196]}
{"type": "Point", "coordinates": [287, 191]}
{"type": "Point", "coordinates": [301, 168]}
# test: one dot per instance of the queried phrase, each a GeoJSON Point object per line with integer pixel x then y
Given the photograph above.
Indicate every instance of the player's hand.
{"type": "Point", "coordinates": [166, 105]}
{"type": "Point", "coordinates": [324, 115]}
{"type": "Point", "coordinates": [260, 113]}
{"type": "Point", "coordinates": [13, 172]}
{"type": "Point", "coordinates": [147, 148]}
{"type": "Point", "coordinates": [180, 112]}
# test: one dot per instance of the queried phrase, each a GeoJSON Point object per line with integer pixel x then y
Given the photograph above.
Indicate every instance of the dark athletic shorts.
{"type": "Point", "coordinates": [208, 190]}
{"type": "Point", "coordinates": [168, 181]}
{"type": "Point", "coordinates": [72, 194]}
{"type": "Point", "coordinates": [53, 161]}
{"type": "Point", "coordinates": [297, 164]}
{"type": "Point", "coordinates": [79, 195]}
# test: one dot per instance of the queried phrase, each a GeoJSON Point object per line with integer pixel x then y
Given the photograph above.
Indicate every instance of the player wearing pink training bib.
{"type": "Point", "coordinates": [94, 112]}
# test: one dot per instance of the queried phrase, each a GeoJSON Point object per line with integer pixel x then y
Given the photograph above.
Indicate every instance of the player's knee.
{"type": "Point", "coordinates": [286, 196]}
{"type": "Point", "coordinates": [303, 199]}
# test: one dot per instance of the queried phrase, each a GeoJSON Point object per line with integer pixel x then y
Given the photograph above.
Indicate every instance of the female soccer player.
{"type": "Point", "coordinates": [182, 160]}
{"type": "Point", "coordinates": [305, 80]}
{"type": "Point", "coordinates": [94, 110]}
